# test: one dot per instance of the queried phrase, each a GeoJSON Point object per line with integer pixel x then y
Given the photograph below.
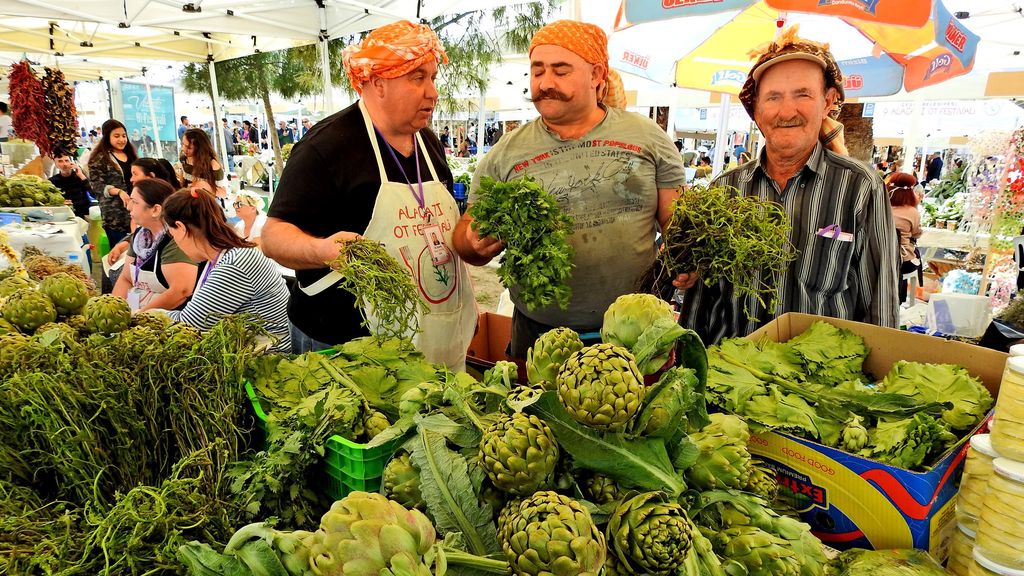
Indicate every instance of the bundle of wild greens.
{"type": "Point", "coordinates": [1013, 314]}
{"type": "Point", "coordinates": [109, 453]}
{"type": "Point", "coordinates": [385, 294]}
{"type": "Point", "coordinates": [721, 235]}
{"type": "Point", "coordinates": [538, 258]}
{"type": "Point", "coordinates": [814, 386]}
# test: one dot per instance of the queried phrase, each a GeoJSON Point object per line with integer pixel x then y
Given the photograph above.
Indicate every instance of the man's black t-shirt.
{"type": "Point", "coordinates": [75, 189]}
{"type": "Point", "coordinates": [330, 184]}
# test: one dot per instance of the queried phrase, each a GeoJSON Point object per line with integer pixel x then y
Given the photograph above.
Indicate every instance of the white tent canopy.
{"type": "Point", "coordinates": [291, 19]}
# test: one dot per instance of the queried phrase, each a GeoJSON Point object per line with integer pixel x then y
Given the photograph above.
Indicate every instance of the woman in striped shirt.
{"type": "Point", "coordinates": [237, 277]}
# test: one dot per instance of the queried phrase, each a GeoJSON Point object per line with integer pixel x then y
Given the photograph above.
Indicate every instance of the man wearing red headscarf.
{"type": "Point", "coordinates": [375, 170]}
{"type": "Point", "coordinates": [615, 172]}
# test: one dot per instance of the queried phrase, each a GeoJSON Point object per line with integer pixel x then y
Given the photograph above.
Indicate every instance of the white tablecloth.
{"type": "Point", "coordinates": [59, 239]}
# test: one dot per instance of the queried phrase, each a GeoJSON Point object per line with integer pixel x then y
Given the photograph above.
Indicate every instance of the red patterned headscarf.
{"type": "Point", "coordinates": [392, 51]}
{"type": "Point", "coordinates": [590, 43]}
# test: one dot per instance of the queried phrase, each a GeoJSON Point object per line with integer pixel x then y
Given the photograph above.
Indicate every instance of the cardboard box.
{"type": "Point", "coordinates": [854, 502]}
{"type": "Point", "coordinates": [493, 333]}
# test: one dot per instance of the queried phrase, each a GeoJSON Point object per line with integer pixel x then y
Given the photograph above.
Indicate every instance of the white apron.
{"type": "Point", "coordinates": [448, 326]}
{"type": "Point", "coordinates": [145, 284]}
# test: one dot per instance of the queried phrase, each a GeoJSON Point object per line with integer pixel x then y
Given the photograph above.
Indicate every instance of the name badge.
{"type": "Point", "coordinates": [434, 238]}
{"type": "Point", "coordinates": [834, 232]}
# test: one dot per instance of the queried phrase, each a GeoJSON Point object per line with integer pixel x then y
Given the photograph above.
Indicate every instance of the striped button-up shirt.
{"type": "Point", "coordinates": [855, 280]}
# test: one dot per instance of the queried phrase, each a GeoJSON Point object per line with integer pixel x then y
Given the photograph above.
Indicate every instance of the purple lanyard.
{"type": "Point", "coordinates": [419, 179]}
{"type": "Point", "coordinates": [209, 267]}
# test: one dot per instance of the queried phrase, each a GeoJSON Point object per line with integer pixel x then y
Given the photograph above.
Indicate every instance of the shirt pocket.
{"type": "Point", "coordinates": [830, 267]}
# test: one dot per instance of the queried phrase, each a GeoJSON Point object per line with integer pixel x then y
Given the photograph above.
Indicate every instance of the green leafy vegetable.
{"type": "Point", "coordinates": [942, 383]}
{"type": "Point", "coordinates": [721, 235]}
{"type": "Point", "coordinates": [385, 294]}
{"type": "Point", "coordinates": [642, 463]}
{"type": "Point", "coordinates": [538, 258]}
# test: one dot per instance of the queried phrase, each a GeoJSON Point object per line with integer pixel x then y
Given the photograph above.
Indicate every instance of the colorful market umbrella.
{"type": "Point", "coordinates": [704, 44]}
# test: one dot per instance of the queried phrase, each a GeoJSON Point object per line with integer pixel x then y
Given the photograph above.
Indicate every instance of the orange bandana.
{"type": "Point", "coordinates": [392, 51]}
{"type": "Point", "coordinates": [590, 43]}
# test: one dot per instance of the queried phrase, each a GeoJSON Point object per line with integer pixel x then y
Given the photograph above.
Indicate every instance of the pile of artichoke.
{"type": "Point", "coordinates": [583, 467]}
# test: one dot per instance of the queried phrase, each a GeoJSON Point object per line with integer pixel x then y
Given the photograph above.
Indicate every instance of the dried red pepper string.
{"type": "Point", "coordinates": [28, 106]}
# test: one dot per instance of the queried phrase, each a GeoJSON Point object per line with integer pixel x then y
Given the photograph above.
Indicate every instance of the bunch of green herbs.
{"type": "Point", "coordinates": [385, 293]}
{"type": "Point", "coordinates": [721, 235]}
{"type": "Point", "coordinates": [538, 258]}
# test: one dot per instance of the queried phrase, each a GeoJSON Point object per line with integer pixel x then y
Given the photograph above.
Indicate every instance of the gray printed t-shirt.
{"type": "Point", "coordinates": [608, 181]}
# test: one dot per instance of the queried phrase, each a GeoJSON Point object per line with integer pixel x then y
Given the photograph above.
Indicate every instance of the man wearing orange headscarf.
{"type": "Point", "coordinates": [615, 172]}
{"type": "Point", "coordinates": [375, 170]}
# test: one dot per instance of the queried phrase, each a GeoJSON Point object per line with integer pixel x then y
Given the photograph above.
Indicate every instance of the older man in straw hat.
{"type": "Point", "coordinates": [375, 170]}
{"type": "Point", "coordinates": [614, 171]}
{"type": "Point", "coordinates": [842, 226]}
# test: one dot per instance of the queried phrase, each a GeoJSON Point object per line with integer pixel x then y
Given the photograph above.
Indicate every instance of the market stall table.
{"type": "Point", "coordinates": [59, 239]}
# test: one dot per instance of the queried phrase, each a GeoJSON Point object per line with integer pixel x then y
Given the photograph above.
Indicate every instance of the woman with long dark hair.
{"type": "Point", "coordinates": [237, 277]}
{"type": "Point", "coordinates": [153, 168]}
{"type": "Point", "coordinates": [157, 274]}
{"type": "Point", "coordinates": [199, 161]}
{"type": "Point", "coordinates": [109, 173]}
{"type": "Point", "coordinates": [908, 223]}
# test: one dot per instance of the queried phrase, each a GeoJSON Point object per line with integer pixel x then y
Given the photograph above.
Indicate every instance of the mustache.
{"type": "Point", "coordinates": [794, 123]}
{"type": "Point", "coordinates": [549, 94]}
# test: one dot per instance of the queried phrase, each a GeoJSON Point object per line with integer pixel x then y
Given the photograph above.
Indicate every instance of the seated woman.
{"type": "Point", "coordinates": [905, 215]}
{"type": "Point", "coordinates": [157, 274]}
{"type": "Point", "coordinates": [249, 208]}
{"type": "Point", "coordinates": [237, 277]}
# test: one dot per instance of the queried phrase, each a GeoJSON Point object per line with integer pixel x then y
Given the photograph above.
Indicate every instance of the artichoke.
{"type": "Point", "coordinates": [649, 533]}
{"type": "Point", "coordinates": [12, 284]}
{"type": "Point", "coordinates": [547, 355]}
{"type": "Point", "coordinates": [11, 347]}
{"type": "Point", "coordinates": [762, 482]}
{"type": "Point", "coordinates": [519, 454]}
{"type": "Point", "coordinates": [601, 489]}
{"type": "Point", "coordinates": [521, 394]}
{"type": "Point", "coordinates": [375, 422]}
{"type": "Point", "coordinates": [8, 328]}
{"type": "Point", "coordinates": [68, 293]}
{"type": "Point", "coordinates": [724, 461]}
{"type": "Point", "coordinates": [601, 387]}
{"type": "Point", "coordinates": [152, 320]}
{"type": "Point", "coordinates": [420, 396]}
{"type": "Point", "coordinates": [627, 318]}
{"type": "Point", "coordinates": [180, 336]}
{"type": "Point", "coordinates": [107, 314]}
{"type": "Point", "coordinates": [504, 374]}
{"type": "Point", "coordinates": [369, 535]}
{"type": "Point", "coordinates": [854, 436]}
{"type": "Point", "coordinates": [750, 551]}
{"type": "Point", "coordinates": [401, 482]}
{"type": "Point", "coordinates": [551, 534]}
{"type": "Point", "coordinates": [28, 309]}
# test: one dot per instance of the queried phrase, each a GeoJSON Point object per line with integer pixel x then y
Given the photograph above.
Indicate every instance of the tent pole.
{"type": "Point", "coordinates": [481, 120]}
{"type": "Point", "coordinates": [722, 137]}
{"type": "Point", "coordinates": [912, 137]}
{"type": "Point", "coordinates": [218, 129]}
{"type": "Point", "coordinates": [152, 120]}
{"type": "Point", "coordinates": [325, 63]}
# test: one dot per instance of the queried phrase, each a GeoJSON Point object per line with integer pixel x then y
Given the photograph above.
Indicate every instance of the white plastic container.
{"type": "Point", "coordinates": [985, 566]}
{"type": "Point", "coordinates": [1008, 432]}
{"type": "Point", "coordinates": [966, 315]}
{"type": "Point", "coordinates": [961, 551]}
{"type": "Point", "coordinates": [1000, 536]}
{"type": "Point", "coordinates": [974, 485]}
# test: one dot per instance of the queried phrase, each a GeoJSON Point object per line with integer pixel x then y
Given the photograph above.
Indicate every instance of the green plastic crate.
{"type": "Point", "coordinates": [353, 462]}
{"type": "Point", "coordinates": [340, 484]}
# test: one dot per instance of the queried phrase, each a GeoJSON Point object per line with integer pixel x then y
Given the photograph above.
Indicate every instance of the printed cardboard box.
{"type": "Point", "coordinates": [854, 502]}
